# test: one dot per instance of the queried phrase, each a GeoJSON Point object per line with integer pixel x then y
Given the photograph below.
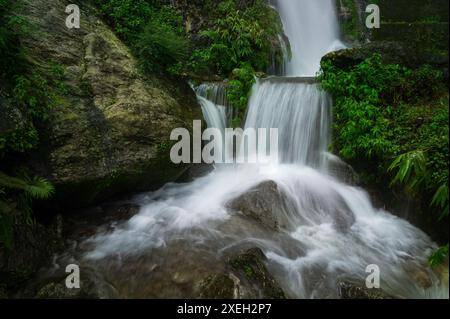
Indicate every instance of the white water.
{"type": "Point", "coordinates": [301, 112]}
{"type": "Point", "coordinates": [330, 230]}
{"type": "Point", "coordinates": [313, 31]}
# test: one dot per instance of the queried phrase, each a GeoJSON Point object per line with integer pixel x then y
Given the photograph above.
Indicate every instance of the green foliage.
{"type": "Point", "coordinates": [239, 89]}
{"type": "Point", "coordinates": [439, 256]}
{"type": "Point", "coordinates": [411, 170]}
{"type": "Point", "coordinates": [16, 196]}
{"type": "Point", "coordinates": [125, 16]}
{"type": "Point", "coordinates": [159, 49]}
{"type": "Point", "coordinates": [153, 29]}
{"type": "Point", "coordinates": [238, 42]}
{"type": "Point", "coordinates": [25, 100]}
{"type": "Point", "coordinates": [33, 97]}
{"type": "Point", "coordinates": [368, 104]}
{"type": "Point", "coordinates": [238, 36]}
{"type": "Point", "coordinates": [362, 122]}
{"type": "Point", "coordinates": [26, 96]}
{"type": "Point", "coordinates": [394, 120]}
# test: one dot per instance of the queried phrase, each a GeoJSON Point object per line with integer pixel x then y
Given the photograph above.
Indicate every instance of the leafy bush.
{"type": "Point", "coordinates": [152, 29]}
{"type": "Point", "coordinates": [362, 123]}
{"type": "Point", "coordinates": [411, 170]}
{"type": "Point", "coordinates": [371, 101]}
{"type": "Point", "coordinates": [161, 49]}
{"type": "Point", "coordinates": [395, 121]}
{"type": "Point", "coordinates": [239, 89]}
{"type": "Point", "coordinates": [239, 37]}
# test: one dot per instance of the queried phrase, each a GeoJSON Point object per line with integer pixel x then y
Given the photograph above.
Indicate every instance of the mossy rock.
{"type": "Point", "coordinates": [110, 130]}
{"type": "Point", "coordinates": [217, 286]}
{"type": "Point", "coordinates": [249, 267]}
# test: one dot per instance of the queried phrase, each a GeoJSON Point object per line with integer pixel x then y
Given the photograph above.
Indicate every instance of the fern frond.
{"type": "Point", "coordinates": [40, 188]}
{"type": "Point", "coordinates": [36, 187]}
{"type": "Point", "coordinates": [411, 169]}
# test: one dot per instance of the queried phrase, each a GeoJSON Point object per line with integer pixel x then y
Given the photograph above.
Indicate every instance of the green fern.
{"type": "Point", "coordinates": [36, 187]}
{"type": "Point", "coordinates": [411, 170]}
{"type": "Point", "coordinates": [23, 190]}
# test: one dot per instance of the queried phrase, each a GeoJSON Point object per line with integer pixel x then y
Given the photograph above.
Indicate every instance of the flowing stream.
{"type": "Point", "coordinates": [328, 230]}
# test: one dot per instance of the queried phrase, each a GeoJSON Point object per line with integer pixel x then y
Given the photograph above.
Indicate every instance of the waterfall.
{"type": "Point", "coordinates": [301, 112]}
{"type": "Point", "coordinates": [214, 114]}
{"type": "Point", "coordinates": [328, 230]}
{"type": "Point", "coordinates": [313, 31]}
{"type": "Point", "coordinates": [212, 96]}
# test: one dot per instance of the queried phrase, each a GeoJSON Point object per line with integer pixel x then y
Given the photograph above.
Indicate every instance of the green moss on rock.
{"type": "Point", "coordinates": [250, 267]}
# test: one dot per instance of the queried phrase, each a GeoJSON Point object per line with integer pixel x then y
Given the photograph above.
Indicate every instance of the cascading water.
{"type": "Point", "coordinates": [313, 31]}
{"type": "Point", "coordinates": [215, 93]}
{"type": "Point", "coordinates": [301, 112]}
{"type": "Point", "coordinates": [328, 231]}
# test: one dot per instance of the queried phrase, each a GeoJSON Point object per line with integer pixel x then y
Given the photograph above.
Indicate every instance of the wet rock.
{"type": "Point", "coordinates": [343, 171]}
{"type": "Point", "coordinates": [421, 276]}
{"type": "Point", "coordinates": [348, 290]}
{"type": "Point", "coordinates": [110, 132]}
{"type": "Point", "coordinates": [261, 203]}
{"type": "Point", "coordinates": [58, 290]}
{"type": "Point", "coordinates": [245, 277]}
{"type": "Point", "coordinates": [255, 280]}
{"type": "Point", "coordinates": [218, 286]}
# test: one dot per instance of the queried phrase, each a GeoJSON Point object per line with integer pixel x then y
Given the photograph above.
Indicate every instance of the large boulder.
{"type": "Point", "coordinates": [262, 203]}
{"type": "Point", "coordinates": [110, 131]}
{"type": "Point", "coordinates": [268, 205]}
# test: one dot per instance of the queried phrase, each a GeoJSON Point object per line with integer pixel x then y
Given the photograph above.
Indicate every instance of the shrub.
{"type": "Point", "coordinates": [388, 116]}
{"type": "Point", "coordinates": [239, 89]}
{"type": "Point", "coordinates": [239, 36]}
{"type": "Point", "coordinates": [160, 49]}
{"type": "Point", "coordinates": [152, 29]}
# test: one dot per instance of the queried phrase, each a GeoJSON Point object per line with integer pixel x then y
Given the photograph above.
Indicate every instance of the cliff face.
{"type": "Point", "coordinates": [110, 130]}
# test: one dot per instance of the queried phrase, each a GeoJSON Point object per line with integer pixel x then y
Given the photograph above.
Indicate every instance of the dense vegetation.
{"type": "Point", "coordinates": [238, 45]}
{"type": "Point", "coordinates": [26, 98]}
{"type": "Point", "coordinates": [394, 122]}
{"type": "Point", "coordinates": [153, 29]}
{"type": "Point", "coordinates": [234, 43]}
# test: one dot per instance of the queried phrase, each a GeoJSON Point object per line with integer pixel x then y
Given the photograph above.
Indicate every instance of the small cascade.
{"type": "Point", "coordinates": [300, 111]}
{"type": "Point", "coordinates": [313, 30]}
{"type": "Point", "coordinates": [278, 63]}
{"type": "Point", "coordinates": [216, 92]}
